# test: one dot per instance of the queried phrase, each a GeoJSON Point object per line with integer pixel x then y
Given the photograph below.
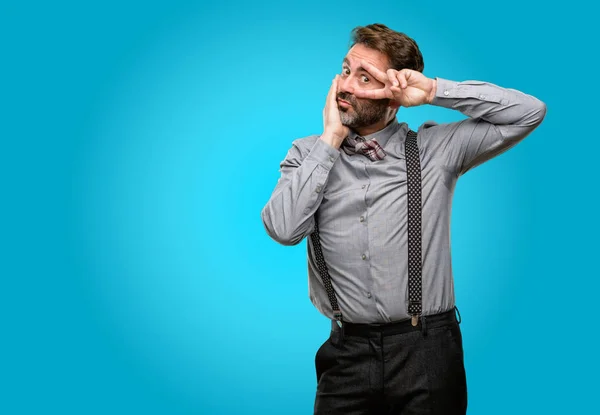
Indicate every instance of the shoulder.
{"type": "Point", "coordinates": [303, 145]}
{"type": "Point", "coordinates": [427, 127]}
{"type": "Point", "coordinates": [430, 133]}
{"type": "Point", "coordinates": [307, 141]}
{"type": "Point", "coordinates": [425, 132]}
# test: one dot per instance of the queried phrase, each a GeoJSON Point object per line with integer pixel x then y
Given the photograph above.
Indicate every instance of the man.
{"type": "Point", "coordinates": [375, 199]}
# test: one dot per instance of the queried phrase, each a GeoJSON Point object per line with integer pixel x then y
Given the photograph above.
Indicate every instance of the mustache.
{"type": "Point", "coordinates": [346, 97]}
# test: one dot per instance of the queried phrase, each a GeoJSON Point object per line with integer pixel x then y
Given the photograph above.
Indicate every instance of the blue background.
{"type": "Point", "coordinates": [140, 140]}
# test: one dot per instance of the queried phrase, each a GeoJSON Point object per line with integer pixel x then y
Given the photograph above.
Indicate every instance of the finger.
{"type": "Point", "coordinates": [391, 74]}
{"type": "Point", "coordinates": [373, 93]}
{"type": "Point", "coordinates": [336, 87]}
{"type": "Point", "coordinates": [373, 70]}
{"type": "Point", "coordinates": [403, 77]}
{"type": "Point", "coordinates": [398, 93]}
{"type": "Point", "coordinates": [332, 86]}
{"type": "Point", "coordinates": [332, 91]}
{"type": "Point", "coordinates": [396, 90]}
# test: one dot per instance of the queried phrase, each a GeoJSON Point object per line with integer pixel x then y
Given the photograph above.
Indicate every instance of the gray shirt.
{"type": "Point", "coordinates": [361, 204]}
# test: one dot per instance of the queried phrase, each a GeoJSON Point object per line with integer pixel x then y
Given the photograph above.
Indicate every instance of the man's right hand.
{"type": "Point", "coordinates": [333, 130]}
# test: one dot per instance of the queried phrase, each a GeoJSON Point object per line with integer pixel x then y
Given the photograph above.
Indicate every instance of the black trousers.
{"type": "Point", "coordinates": [393, 368]}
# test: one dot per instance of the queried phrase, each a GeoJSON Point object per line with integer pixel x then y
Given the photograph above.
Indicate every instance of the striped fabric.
{"type": "Point", "coordinates": [358, 144]}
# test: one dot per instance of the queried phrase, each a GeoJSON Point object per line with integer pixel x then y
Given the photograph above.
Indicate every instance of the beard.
{"type": "Point", "coordinates": [364, 113]}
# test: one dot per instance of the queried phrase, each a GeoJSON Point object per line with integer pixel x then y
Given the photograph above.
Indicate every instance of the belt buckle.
{"type": "Point", "coordinates": [415, 320]}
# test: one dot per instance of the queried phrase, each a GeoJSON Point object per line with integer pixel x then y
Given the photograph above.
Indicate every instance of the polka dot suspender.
{"type": "Point", "coordinates": [413, 166]}
{"type": "Point", "coordinates": [337, 314]}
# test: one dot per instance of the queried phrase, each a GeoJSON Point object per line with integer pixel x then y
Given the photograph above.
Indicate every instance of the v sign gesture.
{"type": "Point", "coordinates": [407, 87]}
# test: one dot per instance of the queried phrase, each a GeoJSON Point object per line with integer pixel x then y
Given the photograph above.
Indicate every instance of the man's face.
{"type": "Point", "coordinates": [361, 112]}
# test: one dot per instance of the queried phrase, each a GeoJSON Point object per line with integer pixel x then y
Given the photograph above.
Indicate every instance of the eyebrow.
{"type": "Point", "coordinates": [360, 68]}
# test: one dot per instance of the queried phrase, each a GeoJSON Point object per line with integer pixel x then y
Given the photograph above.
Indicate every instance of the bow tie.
{"type": "Point", "coordinates": [358, 144]}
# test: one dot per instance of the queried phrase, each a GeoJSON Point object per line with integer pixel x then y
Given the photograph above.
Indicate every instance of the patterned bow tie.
{"type": "Point", "coordinates": [358, 144]}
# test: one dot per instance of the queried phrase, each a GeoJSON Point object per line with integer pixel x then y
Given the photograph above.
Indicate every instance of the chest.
{"type": "Point", "coordinates": [356, 186]}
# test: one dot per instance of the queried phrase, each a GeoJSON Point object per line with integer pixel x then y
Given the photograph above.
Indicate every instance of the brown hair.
{"type": "Point", "coordinates": [401, 50]}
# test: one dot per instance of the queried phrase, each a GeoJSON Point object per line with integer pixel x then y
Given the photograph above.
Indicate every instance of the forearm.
{"type": "Point", "coordinates": [514, 113]}
{"type": "Point", "coordinates": [288, 215]}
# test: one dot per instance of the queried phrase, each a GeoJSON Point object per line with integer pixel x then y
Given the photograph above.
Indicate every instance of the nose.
{"type": "Point", "coordinates": [346, 85]}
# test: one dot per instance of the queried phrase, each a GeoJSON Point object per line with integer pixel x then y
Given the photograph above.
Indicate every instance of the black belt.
{"type": "Point", "coordinates": [398, 327]}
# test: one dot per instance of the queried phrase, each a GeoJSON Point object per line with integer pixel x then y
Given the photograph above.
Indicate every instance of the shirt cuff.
{"type": "Point", "coordinates": [324, 153]}
{"type": "Point", "coordinates": [445, 89]}
{"type": "Point", "coordinates": [449, 92]}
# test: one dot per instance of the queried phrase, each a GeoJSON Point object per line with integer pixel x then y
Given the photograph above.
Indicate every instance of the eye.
{"type": "Point", "coordinates": [365, 79]}
{"type": "Point", "coordinates": [345, 71]}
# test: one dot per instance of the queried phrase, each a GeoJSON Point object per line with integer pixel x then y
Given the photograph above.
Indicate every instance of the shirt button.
{"type": "Point", "coordinates": [362, 219]}
{"type": "Point", "coordinates": [482, 96]}
{"type": "Point", "coordinates": [363, 186]}
{"type": "Point", "coordinates": [318, 189]}
{"type": "Point", "coordinates": [446, 92]}
{"type": "Point", "coordinates": [368, 295]}
{"type": "Point", "coordinates": [331, 159]}
{"type": "Point", "coordinates": [364, 256]}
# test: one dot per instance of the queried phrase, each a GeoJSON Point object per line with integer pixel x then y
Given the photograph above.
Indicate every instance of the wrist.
{"type": "Point", "coordinates": [332, 139]}
{"type": "Point", "coordinates": [433, 91]}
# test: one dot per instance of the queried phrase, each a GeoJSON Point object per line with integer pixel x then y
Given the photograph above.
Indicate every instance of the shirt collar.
{"type": "Point", "coordinates": [382, 136]}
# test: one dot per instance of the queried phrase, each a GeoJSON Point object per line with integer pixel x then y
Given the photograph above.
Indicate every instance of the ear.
{"type": "Point", "coordinates": [394, 104]}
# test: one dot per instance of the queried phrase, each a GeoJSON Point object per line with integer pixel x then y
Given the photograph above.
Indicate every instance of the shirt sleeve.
{"type": "Point", "coordinates": [499, 118]}
{"type": "Point", "coordinates": [288, 216]}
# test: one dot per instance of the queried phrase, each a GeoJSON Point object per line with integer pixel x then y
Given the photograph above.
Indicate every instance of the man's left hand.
{"type": "Point", "coordinates": [407, 87]}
